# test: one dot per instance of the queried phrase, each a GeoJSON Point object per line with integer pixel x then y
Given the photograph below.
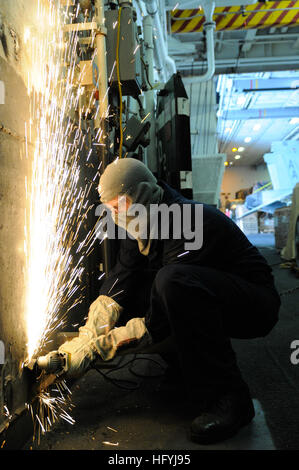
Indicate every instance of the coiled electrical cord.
{"type": "Point", "coordinates": [136, 386]}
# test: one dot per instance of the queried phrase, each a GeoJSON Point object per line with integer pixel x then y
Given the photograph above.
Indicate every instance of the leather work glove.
{"type": "Point", "coordinates": [99, 337]}
{"type": "Point", "coordinates": [103, 314]}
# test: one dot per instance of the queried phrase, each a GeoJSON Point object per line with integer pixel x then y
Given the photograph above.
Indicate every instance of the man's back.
{"type": "Point", "coordinates": [224, 245]}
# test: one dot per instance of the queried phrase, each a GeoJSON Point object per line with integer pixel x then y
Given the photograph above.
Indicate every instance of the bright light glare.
{"type": "Point", "coordinates": [26, 35]}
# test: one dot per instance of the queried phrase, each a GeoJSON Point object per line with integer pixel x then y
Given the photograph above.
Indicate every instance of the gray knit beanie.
{"type": "Point", "coordinates": [132, 178]}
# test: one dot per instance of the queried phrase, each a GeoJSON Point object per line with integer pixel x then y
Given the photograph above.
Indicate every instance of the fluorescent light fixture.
{"type": "Point", "coordinates": [294, 120]}
{"type": "Point", "coordinates": [241, 149]}
{"type": "Point", "coordinates": [257, 127]}
{"type": "Point", "coordinates": [237, 157]}
{"type": "Point", "coordinates": [247, 139]}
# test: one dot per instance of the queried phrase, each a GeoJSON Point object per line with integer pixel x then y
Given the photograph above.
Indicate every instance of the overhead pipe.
{"type": "Point", "coordinates": [193, 4]}
{"type": "Point", "coordinates": [209, 28]}
{"type": "Point", "coordinates": [101, 34]}
{"type": "Point", "coordinates": [101, 119]}
{"type": "Point", "coordinates": [269, 113]}
{"type": "Point", "coordinates": [151, 153]}
{"type": "Point", "coordinates": [266, 84]}
{"type": "Point", "coordinates": [162, 59]}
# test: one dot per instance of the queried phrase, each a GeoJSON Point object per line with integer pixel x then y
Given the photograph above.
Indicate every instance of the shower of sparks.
{"type": "Point", "coordinates": [49, 407]}
{"type": "Point", "coordinates": [7, 412]}
{"type": "Point", "coordinates": [117, 293]}
{"type": "Point", "coordinates": [183, 254]}
{"type": "Point", "coordinates": [145, 117]}
{"type": "Point", "coordinates": [136, 49]}
{"type": "Point", "coordinates": [57, 205]}
{"type": "Point", "coordinates": [114, 430]}
{"type": "Point", "coordinates": [112, 286]}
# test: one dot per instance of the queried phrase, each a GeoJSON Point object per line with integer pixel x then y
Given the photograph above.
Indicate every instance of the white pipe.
{"type": "Point", "coordinates": [101, 59]}
{"type": "Point", "coordinates": [208, 8]}
{"type": "Point", "coordinates": [151, 150]}
{"type": "Point", "coordinates": [162, 58]}
{"type": "Point", "coordinates": [209, 28]}
{"type": "Point", "coordinates": [149, 46]}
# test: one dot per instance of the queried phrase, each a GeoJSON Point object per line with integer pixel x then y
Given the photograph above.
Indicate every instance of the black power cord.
{"type": "Point", "coordinates": [136, 386]}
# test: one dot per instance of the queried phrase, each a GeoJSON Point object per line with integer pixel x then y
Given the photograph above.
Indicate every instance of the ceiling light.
{"type": "Point", "coordinates": [256, 127]}
{"type": "Point", "coordinates": [237, 157]}
{"type": "Point", "coordinates": [234, 149]}
{"type": "Point", "coordinates": [294, 120]}
{"type": "Point", "coordinates": [241, 149]}
{"type": "Point", "coordinates": [225, 163]}
{"type": "Point", "coordinates": [247, 139]}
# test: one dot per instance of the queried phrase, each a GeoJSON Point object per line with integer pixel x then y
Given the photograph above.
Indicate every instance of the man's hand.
{"type": "Point", "coordinates": [81, 351]}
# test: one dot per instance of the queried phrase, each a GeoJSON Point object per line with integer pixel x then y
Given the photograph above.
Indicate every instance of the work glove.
{"type": "Point", "coordinates": [133, 337]}
{"type": "Point", "coordinates": [98, 337]}
{"type": "Point", "coordinates": [103, 314]}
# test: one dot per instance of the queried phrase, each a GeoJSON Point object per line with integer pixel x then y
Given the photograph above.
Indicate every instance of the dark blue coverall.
{"type": "Point", "coordinates": [223, 290]}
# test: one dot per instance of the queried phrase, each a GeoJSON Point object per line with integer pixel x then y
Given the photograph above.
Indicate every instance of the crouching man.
{"type": "Point", "coordinates": [200, 295]}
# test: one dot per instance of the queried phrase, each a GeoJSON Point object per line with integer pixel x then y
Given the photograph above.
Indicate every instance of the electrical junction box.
{"type": "Point", "coordinates": [129, 52]}
{"type": "Point", "coordinates": [173, 136]}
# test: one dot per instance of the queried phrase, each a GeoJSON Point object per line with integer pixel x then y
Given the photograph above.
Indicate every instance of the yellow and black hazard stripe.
{"type": "Point", "coordinates": [256, 16]}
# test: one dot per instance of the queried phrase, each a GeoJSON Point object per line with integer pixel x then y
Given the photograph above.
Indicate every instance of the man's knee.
{"type": "Point", "coordinates": [169, 278]}
{"type": "Point", "coordinates": [179, 280]}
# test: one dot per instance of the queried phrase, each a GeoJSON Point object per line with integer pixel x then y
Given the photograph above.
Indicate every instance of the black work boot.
{"type": "Point", "coordinates": [222, 418]}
